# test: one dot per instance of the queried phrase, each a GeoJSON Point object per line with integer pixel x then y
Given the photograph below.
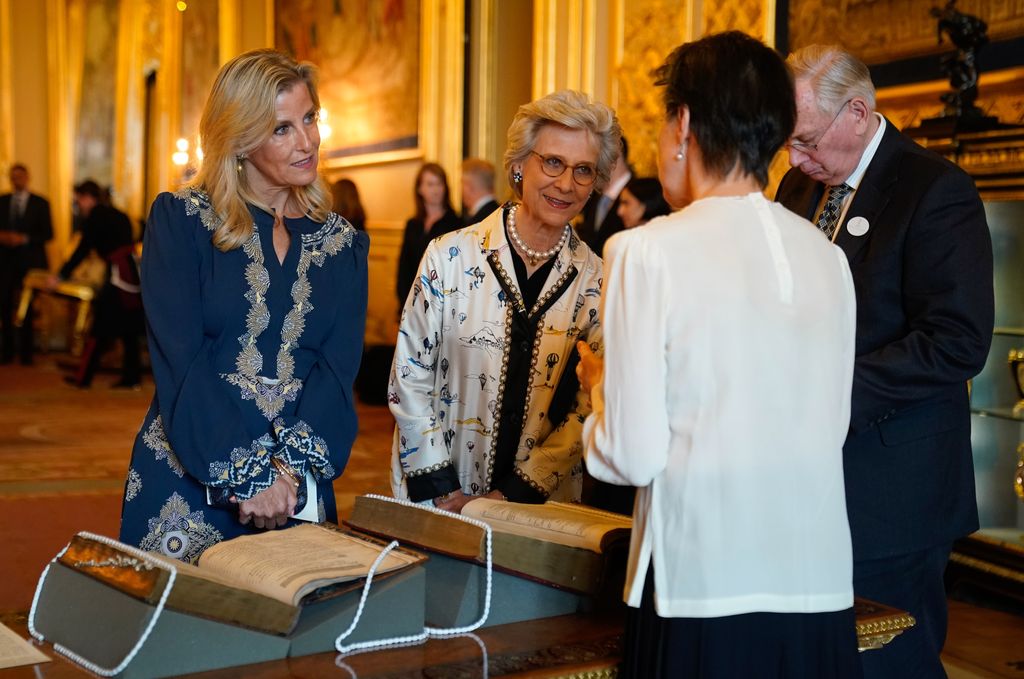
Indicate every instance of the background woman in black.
{"type": "Point", "coordinates": [434, 217]}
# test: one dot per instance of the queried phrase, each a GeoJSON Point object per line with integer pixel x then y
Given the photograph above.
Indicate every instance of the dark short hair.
{"type": "Point", "coordinates": [88, 188]}
{"type": "Point", "coordinates": [740, 97]}
{"type": "Point", "coordinates": [648, 191]}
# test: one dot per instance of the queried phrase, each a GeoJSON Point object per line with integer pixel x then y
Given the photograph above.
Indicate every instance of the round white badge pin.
{"type": "Point", "coordinates": [858, 226]}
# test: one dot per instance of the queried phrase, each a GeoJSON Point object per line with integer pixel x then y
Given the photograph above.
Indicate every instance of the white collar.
{"type": "Point", "coordinates": [853, 181]}
{"type": "Point", "coordinates": [480, 203]}
{"type": "Point", "coordinates": [615, 188]}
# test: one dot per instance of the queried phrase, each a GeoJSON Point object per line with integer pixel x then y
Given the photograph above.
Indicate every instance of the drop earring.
{"type": "Point", "coordinates": [238, 163]}
{"type": "Point", "coordinates": [681, 153]}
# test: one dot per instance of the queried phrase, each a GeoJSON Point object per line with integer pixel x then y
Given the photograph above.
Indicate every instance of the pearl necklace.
{"type": "Point", "coordinates": [534, 255]}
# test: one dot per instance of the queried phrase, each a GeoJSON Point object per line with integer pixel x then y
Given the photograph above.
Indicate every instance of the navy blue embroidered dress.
{"type": "Point", "coordinates": [252, 359]}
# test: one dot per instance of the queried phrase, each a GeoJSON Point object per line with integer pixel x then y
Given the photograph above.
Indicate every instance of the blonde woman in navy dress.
{"type": "Point", "coordinates": [725, 394]}
{"type": "Point", "coordinates": [255, 294]}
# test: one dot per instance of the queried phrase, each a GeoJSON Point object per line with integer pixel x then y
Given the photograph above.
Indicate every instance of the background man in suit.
{"type": "Point", "coordinates": [24, 230]}
{"type": "Point", "coordinates": [477, 190]}
{"type": "Point", "coordinates": [601, 218]}
{"type": "Point", "coordinates": [914, 232]}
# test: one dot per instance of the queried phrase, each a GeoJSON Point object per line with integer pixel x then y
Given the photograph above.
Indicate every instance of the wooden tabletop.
{"type": "Point", "coordinates": [567, 646]}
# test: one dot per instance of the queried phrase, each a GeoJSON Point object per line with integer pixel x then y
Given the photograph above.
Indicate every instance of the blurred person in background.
{"type": "Point", "coordinates": [641, 201]}
{"type": "Point", "coordinates": [600, 217]}
{"type": "Point", "coordinates": [347, 203]}
{"type": "Point", "coordinates": [478, 199]}
{"type": "Point", "coordinates": [117, 307]}
{"type": "Point", "coordinates": [25, 229]}
{"type": "Point", "coordinates": [434, 217]}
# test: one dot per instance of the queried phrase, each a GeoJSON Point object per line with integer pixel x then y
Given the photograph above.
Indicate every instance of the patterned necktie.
{"type": "Point", "coordinates": [828, 220]}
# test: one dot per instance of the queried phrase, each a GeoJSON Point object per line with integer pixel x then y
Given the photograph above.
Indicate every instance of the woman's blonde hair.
{"type": "Point", "coordinates": [239, 116]}
{"type": "Point", "coordinates": [570, 109]}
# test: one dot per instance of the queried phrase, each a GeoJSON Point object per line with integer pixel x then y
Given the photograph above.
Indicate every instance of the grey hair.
{"type": "Point", "coordinates": [834, 75]}
{"type": "Point", "coordinates": [481, 169]}
{"type": "Point", "coordinates": [571, 109]}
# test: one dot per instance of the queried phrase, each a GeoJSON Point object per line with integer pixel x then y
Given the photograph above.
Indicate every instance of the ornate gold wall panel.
{"type": "Point", "coordinates": [6, 119]}
{"type": "Point", "coordinates": [565, 37]}
{"type": "Point", "coordinates": [879, 31]}
{"type": "Point", "coordinates": [753, 17]}
{"type": "Point", "coordinates": [200, 61]}
{"type": "Point", "coordinates": [650, 30]}
{"type": "Point", "coordinates": [92, 65]}
{"type": "Point", "coordinates": [62, 91]}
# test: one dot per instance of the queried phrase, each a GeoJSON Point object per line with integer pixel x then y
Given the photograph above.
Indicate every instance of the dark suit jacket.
{"type": "Point", "coordinates": [106, 230]}
{"type": "Point", "coordinates": [611, 225]}
{"type": "Point", "coordinates": [478, 216]}
{"type": "Point", "coordinates": [414, 244]}
{"type": "Point", "coordinates": [35, 223]}
{"type": "Point", "coordinates": [923, 278]}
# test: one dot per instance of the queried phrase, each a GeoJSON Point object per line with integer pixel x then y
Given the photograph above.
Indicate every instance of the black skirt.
{"type": "Point", "coordinates": [763, 645]}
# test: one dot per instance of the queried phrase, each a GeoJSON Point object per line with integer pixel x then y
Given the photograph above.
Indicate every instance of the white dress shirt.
{"type": "Point", "coordinates": [729, 346]}
{"type": "Point", "coordinates": [853, 181]}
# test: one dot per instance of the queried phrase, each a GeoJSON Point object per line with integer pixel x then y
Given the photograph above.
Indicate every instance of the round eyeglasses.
{"type": "Point", "coordinates": [811, 147]}
{"type": "Point", "coordinates": [553, 166]}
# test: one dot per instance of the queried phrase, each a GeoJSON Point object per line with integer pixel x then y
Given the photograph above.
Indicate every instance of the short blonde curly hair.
{"type": "Point", "coordinates": [571, 109]}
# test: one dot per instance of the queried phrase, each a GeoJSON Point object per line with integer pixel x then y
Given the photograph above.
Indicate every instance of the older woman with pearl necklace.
{"type": "Point", "coordinates": [482, 387]}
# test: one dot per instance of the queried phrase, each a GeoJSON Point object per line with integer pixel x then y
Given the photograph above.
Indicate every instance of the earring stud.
{"type": "Point", "coordinates": [517, 176]}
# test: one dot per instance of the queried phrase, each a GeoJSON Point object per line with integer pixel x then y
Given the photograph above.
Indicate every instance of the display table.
{"type": "Point", "coordinates": [38, 281]}
{"type": "Point", "coordinates": [580, 645]}
{"type": "Point", "coordinates": [567, 646]}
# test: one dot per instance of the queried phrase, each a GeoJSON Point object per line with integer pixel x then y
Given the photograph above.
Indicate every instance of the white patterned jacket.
{"type": "Point", "coordinates": [447, 381]}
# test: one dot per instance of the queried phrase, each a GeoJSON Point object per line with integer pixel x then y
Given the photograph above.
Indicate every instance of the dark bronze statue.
{"type": "Point", "coordinates": [968, 33]}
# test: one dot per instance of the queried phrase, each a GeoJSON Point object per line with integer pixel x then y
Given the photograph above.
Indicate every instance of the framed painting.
{"type": "Point", "coordinates": [368, 56]}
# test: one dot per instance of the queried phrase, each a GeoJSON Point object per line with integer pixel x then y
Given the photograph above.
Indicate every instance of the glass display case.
{"type": "Point", "coordinates": [993, 558]}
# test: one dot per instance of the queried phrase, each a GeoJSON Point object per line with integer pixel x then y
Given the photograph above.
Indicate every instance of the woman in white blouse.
{"type": "Point", "coordinates": [724, 395]}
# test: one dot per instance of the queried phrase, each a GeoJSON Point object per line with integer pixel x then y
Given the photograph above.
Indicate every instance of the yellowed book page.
{"type": "Point", "coordinates": [556, 522]}
{"type": "Point", "coordinates": [15, 651]}
{"type": "Point", "coordinates": [288, 564]}
{"type": "Point", "coordinates": [188, 570]}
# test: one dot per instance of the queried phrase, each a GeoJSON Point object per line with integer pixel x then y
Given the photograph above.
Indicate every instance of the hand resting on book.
{"type": "Point", "coordinates": [456, 500]}
{"type": "Point", "coordinates": [269, 508]}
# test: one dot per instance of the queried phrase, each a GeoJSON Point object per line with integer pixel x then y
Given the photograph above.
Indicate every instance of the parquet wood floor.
{"type": "Point", "coordinates": [64, 453]}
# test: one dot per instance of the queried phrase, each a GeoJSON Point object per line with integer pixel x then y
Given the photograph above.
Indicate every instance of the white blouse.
{"type": "Point", "coordinates": [729, 347]}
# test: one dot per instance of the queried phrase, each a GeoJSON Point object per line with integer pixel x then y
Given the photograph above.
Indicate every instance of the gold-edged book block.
{"type": "Point", "coordinates": [878, 624]}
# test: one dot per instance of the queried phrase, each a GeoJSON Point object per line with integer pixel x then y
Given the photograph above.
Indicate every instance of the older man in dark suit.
{"type": "Point", "coordinates": [914, 232]}
{"type": "Point", "coordinates": [477, 190]}
{"type": "Point", "coordinates": [600, 218]}
{"type": "Point", "coordinates": [24, 230]}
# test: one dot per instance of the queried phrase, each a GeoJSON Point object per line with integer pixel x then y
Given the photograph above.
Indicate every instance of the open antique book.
{"type": "Point", "coordinates": [564, 545]}
{"type": "Point", "coordinates": [258, 581]}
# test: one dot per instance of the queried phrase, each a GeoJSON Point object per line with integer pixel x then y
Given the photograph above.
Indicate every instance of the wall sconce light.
{"type": "Point", "coordinates": [325, 129]}
{"type": "Point", "coordinates": [180, 157]}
